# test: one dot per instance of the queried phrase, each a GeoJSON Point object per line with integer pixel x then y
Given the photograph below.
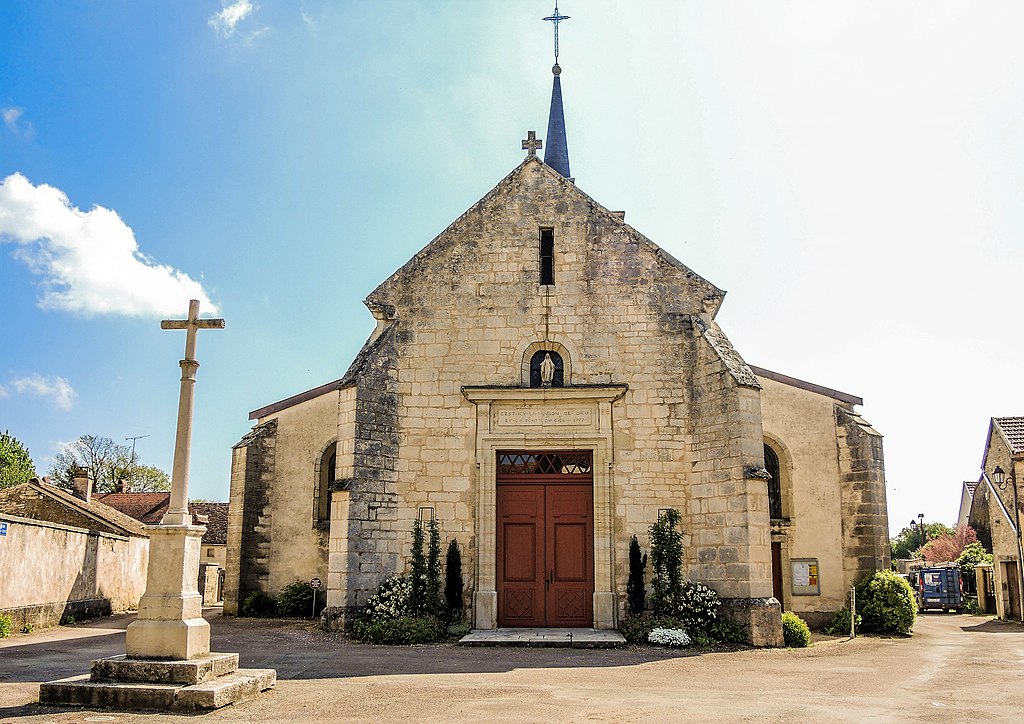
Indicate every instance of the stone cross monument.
{"type": "Point", "coordinates": [168, 663]}
{"type": "Point", "coordinates": [170, 623]}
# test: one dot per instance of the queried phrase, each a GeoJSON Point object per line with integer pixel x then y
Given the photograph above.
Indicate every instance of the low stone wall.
{"type": "Point", "coordinates": [52, 572]}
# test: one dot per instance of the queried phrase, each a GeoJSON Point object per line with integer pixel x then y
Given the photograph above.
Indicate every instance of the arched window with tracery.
{"type": "Point", "coordinates": [536, 363]}
{"type": "Point", "coordinates": [771, 464]}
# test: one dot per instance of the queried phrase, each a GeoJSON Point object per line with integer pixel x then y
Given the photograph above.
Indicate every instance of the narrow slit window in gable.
{"type": "Point", "coordinates": [547, 256]}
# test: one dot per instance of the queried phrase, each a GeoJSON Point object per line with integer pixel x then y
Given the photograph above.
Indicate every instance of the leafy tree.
{"type": "Point", "coordinates": [432, 579]}
{"type": "Point", "coordinates": [972, 554]}
{"type": "Point", "coordinates": [15, 463]}
{"type": "Point", "coordinates": [907, 542]}
{"type": "Point", "coordinates": [948, 547]}
{"type": "Point", "coordinates": [418, 574]}
{"type": "Point", "coordinates": [109, 463]}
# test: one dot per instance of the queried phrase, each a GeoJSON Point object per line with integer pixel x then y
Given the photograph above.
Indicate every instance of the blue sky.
{"type": "Point", "coordinates": [852, 173]}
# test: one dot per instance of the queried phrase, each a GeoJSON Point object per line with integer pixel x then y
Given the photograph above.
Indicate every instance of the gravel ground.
{"type": "Point", "coordinates": [954, 669]}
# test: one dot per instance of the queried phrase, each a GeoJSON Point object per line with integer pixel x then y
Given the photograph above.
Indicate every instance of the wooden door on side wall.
{"type": "Point", "coordinates": [545, 541]}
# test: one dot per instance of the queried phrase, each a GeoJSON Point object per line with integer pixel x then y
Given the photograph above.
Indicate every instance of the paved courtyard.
{"type": "Point", "coordinates": [954, 669]}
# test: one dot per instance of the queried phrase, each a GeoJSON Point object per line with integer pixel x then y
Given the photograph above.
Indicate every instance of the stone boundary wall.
{"type": "Point", "coordinates": [52, 572]}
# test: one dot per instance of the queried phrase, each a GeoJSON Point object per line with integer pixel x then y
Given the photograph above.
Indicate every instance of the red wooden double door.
{"type": "Point", "coordinates": [545, 541]}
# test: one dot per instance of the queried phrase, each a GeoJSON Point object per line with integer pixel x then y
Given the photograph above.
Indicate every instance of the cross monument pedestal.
{"type": "Point", "coordinates": [168, 663]}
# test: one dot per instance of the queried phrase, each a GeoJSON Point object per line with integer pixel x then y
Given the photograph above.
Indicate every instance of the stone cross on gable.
{"type": "Point", "coordinates": [177, 511]}
{"type": "Point", "coordinates": [531, 143]}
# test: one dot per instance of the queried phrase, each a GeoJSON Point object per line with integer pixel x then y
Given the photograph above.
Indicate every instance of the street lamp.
{"type": "Point", "coordinates": [1000, 477]}
{"type": "Point", "coordinates": [919, 526]}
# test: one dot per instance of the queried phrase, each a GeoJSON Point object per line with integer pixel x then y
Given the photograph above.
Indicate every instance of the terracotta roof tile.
{"type": "Point", "coordinates": [149, 508]}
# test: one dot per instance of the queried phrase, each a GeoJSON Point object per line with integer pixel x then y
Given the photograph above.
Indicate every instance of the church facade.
{"type": "Point", "coordinates": [546, 381]}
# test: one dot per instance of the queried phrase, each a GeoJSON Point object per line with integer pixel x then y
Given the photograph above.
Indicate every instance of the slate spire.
{"type": "Point", "coordinates": [556, 153]}
{"type": "Point", "coordinates": [556, 150]}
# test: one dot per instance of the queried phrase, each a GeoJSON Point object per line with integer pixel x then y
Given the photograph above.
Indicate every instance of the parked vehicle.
{"type": "Point", "coordinates": [938, 589]}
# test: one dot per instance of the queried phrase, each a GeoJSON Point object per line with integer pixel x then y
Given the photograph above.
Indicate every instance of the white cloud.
{"type": "Point", "coordinates": [12, 117]}
{"type": "Point", "coordinates": [89, 260]}
{"type": "Point", "coordinates": [58, 389]}
{"type": "Point", "coordinates": [231, 14]}
{"type": "Point", "coordinates": [4, 392]}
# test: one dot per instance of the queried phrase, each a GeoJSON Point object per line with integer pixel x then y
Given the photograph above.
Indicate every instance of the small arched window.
{"type": "Point", "coordinates": [771, 464]}
{"type": "Point", "coordinates": [326, 475]}
{"type": "Point", "coordinates": [536, 378]}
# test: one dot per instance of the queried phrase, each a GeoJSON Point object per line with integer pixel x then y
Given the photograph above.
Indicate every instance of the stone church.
{"type": "Point", "coordinates": [545, 380]}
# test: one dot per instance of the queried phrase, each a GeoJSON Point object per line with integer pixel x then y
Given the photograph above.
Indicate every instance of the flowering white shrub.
{"type": "Point", "coordinates": [697, 606]}
{"type": "Point", "coordinates": [668, 637]}
{"type": "Point", "coordinates": [391, 600]}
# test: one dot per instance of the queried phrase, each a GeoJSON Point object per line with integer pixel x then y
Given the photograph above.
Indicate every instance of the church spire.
{"type": "Point", "coordinates": [556, 155]}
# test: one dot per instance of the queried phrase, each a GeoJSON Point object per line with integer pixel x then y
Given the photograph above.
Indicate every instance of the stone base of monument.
{"type": "Point", "coordinates": [205, 682]}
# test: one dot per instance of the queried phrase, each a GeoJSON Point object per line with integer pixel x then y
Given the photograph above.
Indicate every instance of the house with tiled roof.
{"type": "Point", "coordinates": [67, 555]}
{"type": "Point", "coordinates": [149, 508]}
{"type": "Point", "coordinates": [996, 512]}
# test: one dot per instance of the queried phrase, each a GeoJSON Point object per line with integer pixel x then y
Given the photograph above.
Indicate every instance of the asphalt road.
{"type": "Point", "coordinates": [954, 669]}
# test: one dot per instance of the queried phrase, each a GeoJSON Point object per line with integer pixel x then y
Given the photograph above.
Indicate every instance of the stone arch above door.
{"type": "Point", "coordinates": [526, 351]}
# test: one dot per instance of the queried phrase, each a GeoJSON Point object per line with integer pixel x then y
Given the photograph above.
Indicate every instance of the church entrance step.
{"type": "Point", "coordinates": [576, 638]}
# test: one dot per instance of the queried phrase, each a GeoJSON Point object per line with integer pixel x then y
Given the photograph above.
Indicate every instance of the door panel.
{"type": "Point", "coordinates": [570, 537]}
{"type": "Point", "coordinates": [520, 552]}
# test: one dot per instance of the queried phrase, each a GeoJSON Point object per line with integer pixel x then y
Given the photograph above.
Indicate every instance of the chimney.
{"type": "Point", "coordinates": [83, 483]}
{"type": "Point", "coordinates": [121, 486]}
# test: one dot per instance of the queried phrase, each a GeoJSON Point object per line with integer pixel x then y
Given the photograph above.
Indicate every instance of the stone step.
{"type": "Point", "coordinates": [137, 696]}
{"type": "Point", "coordinates": [192, 671]}
{"type": "Point", "coordinates": [576, 638]}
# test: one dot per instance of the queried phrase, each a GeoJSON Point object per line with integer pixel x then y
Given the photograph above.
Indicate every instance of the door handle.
{"type": "Point", "coordinates": [548, 579]}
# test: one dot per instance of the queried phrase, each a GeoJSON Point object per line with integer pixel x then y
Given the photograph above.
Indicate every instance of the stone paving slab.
{"type": "Point", "coordinates": [576, 638]}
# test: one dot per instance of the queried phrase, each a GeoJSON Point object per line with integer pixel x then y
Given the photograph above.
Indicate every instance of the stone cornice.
{"type": "Point", "coordinates": [600, 393]}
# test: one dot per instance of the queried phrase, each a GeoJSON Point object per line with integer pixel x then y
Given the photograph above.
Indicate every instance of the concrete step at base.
{"type": "Point", "coordinates": [576, 638]}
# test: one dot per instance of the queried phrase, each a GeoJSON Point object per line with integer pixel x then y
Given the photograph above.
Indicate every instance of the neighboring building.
{"type": "Point", "coordinates": [544, 380]}
{"type": "Point", "coordinates": [992, 513]}
{"type": "Point", "coordinates": [149, 508]}
{"type": "Point", "coordinates": [966, 500]}
{"type": "Point", "coordinates": [65, 556]}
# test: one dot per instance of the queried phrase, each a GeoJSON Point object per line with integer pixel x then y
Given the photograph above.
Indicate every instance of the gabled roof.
{"type": "Point", "coordinates": [216, 523]}
{"type": "Point", "coordinates": [94, 511]}
{"type": "Point", "coordinates": [149, 508]}
{"type": "Point", "coordinates": [145, 507]}
{"type": "Point", "coordinates": [1012, 429]}
{"type": "Point", "coordinates": [377, 298]}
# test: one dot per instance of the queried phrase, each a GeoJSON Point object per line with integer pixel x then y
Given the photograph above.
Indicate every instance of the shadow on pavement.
{"type": "Point", "coordinates": [299, 650]}
{"type": "Point", "coordinates": [995, 626]}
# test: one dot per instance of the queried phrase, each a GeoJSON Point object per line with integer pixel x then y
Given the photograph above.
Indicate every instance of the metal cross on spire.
{"type": "Point", "coordinates": [555, 19]}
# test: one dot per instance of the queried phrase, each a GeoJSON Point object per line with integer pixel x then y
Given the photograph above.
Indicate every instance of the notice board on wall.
{"type": "Point", "coordinates": [805, 577]}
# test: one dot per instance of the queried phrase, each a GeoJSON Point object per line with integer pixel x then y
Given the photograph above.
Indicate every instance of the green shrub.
{"type": "Point", "coordinates": [795, 631]}
{"type": "Point", "coordinates": [458, 630]}
{"type": "Point", "coordinates": [258, 605]}
{"type": "Point", "coordinates": [453, 584]}
{"type": "Point", "coordinates": [635, 592]}
{"type": "Point", "coordinates": [391, 601]}
{"type": "Point", "coordinates": [840, 625]}
{"type": "Point", "coordinates": [886, 604]}
{"type": "Point", "coordinates": [5, 626]}
{"type": "Point", "coordinates": [637, 629]}
{"type": "Point", "coordinates": [399, 631]}
{"type": "Point", "coordinates": [728, 632]}
{"type": "Point", "coordinates": [697, 606]}
{"type": "Point", "coordinates": [666, 563]}
{"type": "Point", "coordinates": [296, 601]}
{"type": "Point", "coordinates": [28, 628]}
{"type": "Point", "coordinates": [971, 605]}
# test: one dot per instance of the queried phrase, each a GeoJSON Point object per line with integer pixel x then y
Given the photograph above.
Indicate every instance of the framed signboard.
{"type": "Point", "coordinates": [805, 577]}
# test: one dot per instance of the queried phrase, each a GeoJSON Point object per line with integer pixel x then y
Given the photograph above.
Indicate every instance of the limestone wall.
{"type": "Point", "coordinates": [800, 426]}
{"type": "Point", "coordinates": [52, 571]}
{"type": "Point", "coordinates": [1004, 544]}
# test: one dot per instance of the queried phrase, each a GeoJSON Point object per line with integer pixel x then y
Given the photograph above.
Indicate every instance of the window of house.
{"type": "Point", "coordinates": [536, 379]}
{"type": "Point", "coordinates": [547, 256]}
{"type": "Point", "coordinates": [771, 464]}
